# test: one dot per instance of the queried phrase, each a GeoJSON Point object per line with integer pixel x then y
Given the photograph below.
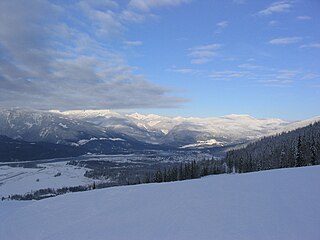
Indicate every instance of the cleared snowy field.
{"type": "Point", "coordinates": [279, 204]}
{"type": "Point", "coordinates": [18, 180]}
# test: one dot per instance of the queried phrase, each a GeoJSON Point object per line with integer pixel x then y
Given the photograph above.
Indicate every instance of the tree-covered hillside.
{"type": "Point", "coordinates": [297, 148]}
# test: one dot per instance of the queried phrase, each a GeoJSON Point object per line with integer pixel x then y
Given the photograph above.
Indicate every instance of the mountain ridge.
{"type": "Point", "coordinates": [70, 127]}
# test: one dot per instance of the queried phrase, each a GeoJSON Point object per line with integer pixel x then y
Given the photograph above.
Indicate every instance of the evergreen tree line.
{"type": "Point", "coordinates": [297, 148]}
{"type": "Point", "coordinates": [190, 170]}
{"type": "Point", "coordinates": [49, 192]}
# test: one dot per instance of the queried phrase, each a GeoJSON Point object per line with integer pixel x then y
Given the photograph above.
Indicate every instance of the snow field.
{"type": "Point", "coordinates": [278, 204]}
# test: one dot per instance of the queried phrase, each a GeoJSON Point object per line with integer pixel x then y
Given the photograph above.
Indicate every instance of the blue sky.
{"type": "Point", "coordinates": [178, 57]}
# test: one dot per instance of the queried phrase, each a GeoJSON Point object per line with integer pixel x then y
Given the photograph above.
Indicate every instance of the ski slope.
{"type": "Point", "coordinates": [278, 204]}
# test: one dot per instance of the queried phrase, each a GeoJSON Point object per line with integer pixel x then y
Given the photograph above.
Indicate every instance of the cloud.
{"type": "Point", "coordinates": [276, 7]}
{"type": "Point", "coordinates": [64, 60]}
{"type": "Point", "coordinates": [260, 74]}
{"type": "Point", "coordinates": [310, 76]}
{"type": "Point", "coordinates": [131, 16]}
{"type": "Point", "coordinates": [311, 45]}
{"type": "Point", "coordinates": [279, 77]}
{"type": "Point", "coordinates": [133, 43]}
{"type": "Point", "coordinates": [286, 74]}
{"type": "Point", "coordinates": [104, 22]}
{"type": "Point", "coordinates": [285, 41]}
{"type": "Point", "coordinates": [138, 11]}
{"type": "Point", "coordinates": [221, 25]}
{"type": "Point", "coordinates": [273, 23]}
{"type": "Point", "coordinates": [182, 70]}
{"type": "Point", "coordinates": [148, 5]}
{"type": "Point", "coordinates": [275, 83]}
{"type": "Point", "coordinates": [203, 54]}
{"type": "Point", "coordinates": [249, 66]}
{"type": "Point", "coordinates": [304, 18]}
{"type": "Point", "coordinates": [228, 75]}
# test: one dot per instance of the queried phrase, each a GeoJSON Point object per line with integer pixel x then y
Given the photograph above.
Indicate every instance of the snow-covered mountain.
{"type": "Point", "coordinates": [34, 125]}
{"type": "Point", "coordinates": [52, 127]}
{"type": "Point", "coordinates": [119, 123]}
{"type": "Point", "coordinates": [276, 204]}
{"type": "Point", "coordinates": [187, 132]}
{"type": "Point", "coordinates": [87, 126]}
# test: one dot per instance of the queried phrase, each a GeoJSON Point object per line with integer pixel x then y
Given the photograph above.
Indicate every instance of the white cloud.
{"type": "Point", "coordinates": [311, 45]}
{"type": "Point", "coordinates": [203, 54]}
{"type": "Point", "coordinates": [200, 60]}
{"type": "Point", "coordinates": [276, 7]}
{"type": "Point", "coordinates": [221, 25]}
{"type": "Point", "coordinates": [208, 47]}
{"type": "Point", "coordinates": [147, 5]}
{"type": "Point", "coordinates": [133, 43]}
{"type": "Point", "coordinates": [132, 16]}
{"type": "Point", "coordinates": [249, 66]}
{"type": "Point", "coordinates": [303, 18]}
{"type": "Point", "coordinates": [182, 70]}
{"type": "Point", "coordinates": [229, 75]}
{"type": "Point", "coordinates": [286, 74]}
{"type": "Point", "coordinates": [273, 23]}
{"type": "Point", "coordinates": [275, 83]}
{"type": "Point", "coordinates": [285, 41]}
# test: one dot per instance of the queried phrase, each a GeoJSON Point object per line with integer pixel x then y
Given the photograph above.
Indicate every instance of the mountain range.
{"type": "Point", "coordinates": [183, 132]}
{"type": "Point", "coordinates": [106, 131]}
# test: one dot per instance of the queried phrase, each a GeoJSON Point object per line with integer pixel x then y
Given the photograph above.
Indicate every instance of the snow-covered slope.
{"type": "Point", "coordinates": [181, 131]}
{"type": "Point", "coordinates": [35, 125]}
{"type": "Point", "coordinates": [300, 124]}
{"type": "Point", "coordinates": [279, 204]}
{"type": "Point", "coordinates": [117, 122]}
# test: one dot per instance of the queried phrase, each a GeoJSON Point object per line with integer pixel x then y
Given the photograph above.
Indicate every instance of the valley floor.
{"type": "Point", "coordinates": [278, 204]}
{"type": "Point", "coordinates": [19, 180]}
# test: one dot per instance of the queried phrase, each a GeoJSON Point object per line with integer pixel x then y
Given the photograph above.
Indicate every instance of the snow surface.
{"type": "Point", "coordinates": [18, 180]}
{"type": "Point", "coordinates": [202, 144]}
{"type": "Point", "coordinates": [278, 204]}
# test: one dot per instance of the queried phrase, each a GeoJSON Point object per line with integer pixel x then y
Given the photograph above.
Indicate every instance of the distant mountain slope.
{"type": "Point", "coordinates": [34, 125]}
{"type": "Point", "coordinates": [118, 123]}
{"type": "Point", "coordinates": [16, 150]}
{"type": "Point", "coordinates": [279, 204]}
{"type": "Point", "coordinates": [136, 130]}
{"type": "Point", "coordinates": [37, 134]}
{"type": "Point", "coordinates": [186, 132]}
{"type": "Point", "coordinates": [299, 147]}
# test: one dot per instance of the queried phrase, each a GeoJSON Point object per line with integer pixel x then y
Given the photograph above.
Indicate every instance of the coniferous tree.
{"type": "Point", "coordinates": [313, 150]}
{"type": "Point", "coordinates": [299, 154]}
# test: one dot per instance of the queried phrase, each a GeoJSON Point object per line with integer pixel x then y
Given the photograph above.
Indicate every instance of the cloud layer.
{"type": "Point", "coordinates": [63, 59]}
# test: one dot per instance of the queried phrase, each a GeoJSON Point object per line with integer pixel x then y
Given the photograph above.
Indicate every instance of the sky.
{"type": "Point", "coordinates": [169, 57]}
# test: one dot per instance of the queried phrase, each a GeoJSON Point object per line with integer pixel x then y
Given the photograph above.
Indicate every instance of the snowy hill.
{"type": "Point", "coordinates": [278, 204]}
